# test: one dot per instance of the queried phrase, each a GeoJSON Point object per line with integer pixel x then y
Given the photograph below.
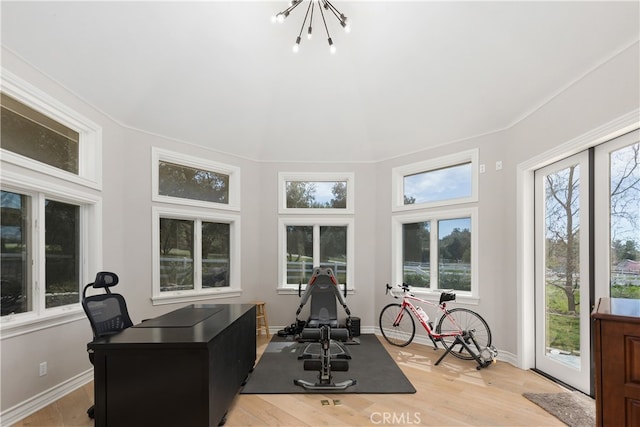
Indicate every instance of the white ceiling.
{"type": "Point", "coordinates": [409, 76]}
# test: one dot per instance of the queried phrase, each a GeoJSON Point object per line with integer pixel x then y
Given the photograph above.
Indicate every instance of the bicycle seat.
{"type": "Point", "coordinates": [447, 296]}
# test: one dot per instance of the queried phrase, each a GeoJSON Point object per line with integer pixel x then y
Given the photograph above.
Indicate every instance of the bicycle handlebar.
{"type": "Point", "coordinates": [405, 288]}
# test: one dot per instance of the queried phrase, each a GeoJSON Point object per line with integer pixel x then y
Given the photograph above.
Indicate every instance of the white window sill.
{"type": "Point", "coordinates": [16, 325]}
{"type": "Point", "coordinates": [176, 297]}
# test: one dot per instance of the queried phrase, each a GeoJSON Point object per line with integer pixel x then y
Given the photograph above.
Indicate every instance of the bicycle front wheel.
{"type": "Point", "coordinates": [397, 325]}
{"type": "Point", "coordinates": [456, 321]}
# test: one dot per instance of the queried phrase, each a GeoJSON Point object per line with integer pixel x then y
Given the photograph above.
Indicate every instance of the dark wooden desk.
{"type": "Point", "coordinates": [180, 369]}
{"type": "Point", "coordinates": [617, 358]}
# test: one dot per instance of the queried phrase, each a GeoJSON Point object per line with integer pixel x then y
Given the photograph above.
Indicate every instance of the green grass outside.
{"type": "Point", "coordinates": [563, 328]}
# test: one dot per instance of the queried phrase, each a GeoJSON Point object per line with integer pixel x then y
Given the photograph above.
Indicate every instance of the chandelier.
{"type": "Point", "coordinates": [313, 5]}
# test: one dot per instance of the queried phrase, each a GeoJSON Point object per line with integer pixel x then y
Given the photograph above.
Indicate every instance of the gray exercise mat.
{"type": "Point", "coordinates": [371, 366]}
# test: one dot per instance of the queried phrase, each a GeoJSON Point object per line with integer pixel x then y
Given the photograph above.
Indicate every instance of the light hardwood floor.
{"type": "Point", "coordinates": [453, 393]}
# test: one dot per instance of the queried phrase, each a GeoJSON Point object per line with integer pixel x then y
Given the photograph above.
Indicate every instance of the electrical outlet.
{"type": "Point", "coordinates": [43, 369]}
{"type": "Point", "coordinates": [482, 169]}
{"type": "Point", "coordinates": [499, 165]}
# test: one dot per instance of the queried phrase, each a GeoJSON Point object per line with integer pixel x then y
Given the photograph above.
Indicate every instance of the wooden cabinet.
{"type": "Point", "coordinates": [617, 362]}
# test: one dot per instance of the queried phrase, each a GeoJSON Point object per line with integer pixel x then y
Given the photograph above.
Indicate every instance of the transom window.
{"type": "Point", "coordinates": [34, 135]}
{"type": "Point", "coordinates": [182, 179]}
{"type": "Point", "coordinates": [438, 182]}
{"type": "Point", "coordinates": [453, 182]}
{"type": "Point", "coordinates": [309, 193]}
{"type": "Point", "coordinates": [40, 134]}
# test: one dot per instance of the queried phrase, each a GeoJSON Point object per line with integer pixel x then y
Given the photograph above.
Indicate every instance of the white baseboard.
{"type": "Point", "coordinates": [47, 397]}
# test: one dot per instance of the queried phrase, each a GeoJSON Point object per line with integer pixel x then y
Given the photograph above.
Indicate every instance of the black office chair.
{"type": "Point", "coordinates": [107, 313]}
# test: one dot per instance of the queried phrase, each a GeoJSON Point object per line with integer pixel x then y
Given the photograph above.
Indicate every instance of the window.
{"type": "Point", "coordinates": [322, 240]}
{"type": "Point", "coordinates": [195, 256]}
{"type": "Point", "coordinates": [45, 235]}
{"type": "Point", "coordinates": [307, 243]}
{"type": "Point", "coordinates": [437, 251]}
{"type": "Point", "coordinates": [36, 136]}
{"type": "Point", "coordinates": [50, 207]}
{"type": "Point", "coordinates": [186, 180]}
{"type": "Point", "coordinates": [438, 182]}
{"type": "Point", "coordinates": [40, 134]}
{"type": "Point", "coordinates": [312, 193]}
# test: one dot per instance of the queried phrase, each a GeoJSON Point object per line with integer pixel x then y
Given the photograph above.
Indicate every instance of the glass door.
{"type": "Point", "coordinates": [562, 271]}
{"type": "Point", "coordinates": [618, 201]}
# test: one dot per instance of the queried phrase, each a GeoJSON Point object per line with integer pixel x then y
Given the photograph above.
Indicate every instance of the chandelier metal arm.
{"type": "Point", "coordinates": [305, 21]}
{"type": "Point", "coordinates": [285, 13]}
{"type": "Point", "coordinates": [325, 23]}
{"type": "Point", "coordinates": [313, 5]}
{"type": "Point", "coordinates": [339, 15]}
{"type": "Point", "coordinates": [322, 4]}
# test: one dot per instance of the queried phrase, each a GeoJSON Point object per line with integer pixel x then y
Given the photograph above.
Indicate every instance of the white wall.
{"type": "Point", "coordinates": [606, 93]}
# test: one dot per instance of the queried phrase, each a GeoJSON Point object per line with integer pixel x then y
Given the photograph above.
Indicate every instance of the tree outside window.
{"type": "Point", "coordinates": [445, 264]}
{"type": "Point", "coordinates": [316, 194]}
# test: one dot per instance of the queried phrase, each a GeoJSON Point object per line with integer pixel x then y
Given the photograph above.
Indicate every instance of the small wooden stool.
{"type": "Point", "coordinates": [261, 318]}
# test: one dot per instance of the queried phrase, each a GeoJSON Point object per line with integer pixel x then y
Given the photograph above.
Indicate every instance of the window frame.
{"type": "Point", "coordinates": [399, 173]}
{"type": "Point", "coordinates": [397, 265]}
{"type": "Point", "coordinates": [90, 141]}
{"type": "Point", "coordinates": [197, 293]}
{"type": "Point", "coordinates": [158, 155]}
{"type": "Point", "coordinates": [284, 177]}
{"type": "Point", "coordinates": [90, 248]}
{"type": "Point", "coordinates": [316, 222]}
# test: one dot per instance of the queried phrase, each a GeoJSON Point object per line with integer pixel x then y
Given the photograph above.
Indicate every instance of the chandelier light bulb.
{"type": "Point", "coordinates": [296, 46]}
{"type": "Point", "coordinates": [309, 33]}
{"type": "Point", "coordinates": [332, 47]}
{"type": "Point", "coordinates": [281, 16]}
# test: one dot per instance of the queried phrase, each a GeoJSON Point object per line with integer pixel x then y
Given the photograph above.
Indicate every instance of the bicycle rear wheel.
{"type": "Point", "coordinates": [462, 319]}
{"type": "Point", "coordinates": [401, 333]}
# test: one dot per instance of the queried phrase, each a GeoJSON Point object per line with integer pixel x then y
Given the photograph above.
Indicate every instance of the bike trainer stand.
{"type": "Point", "coordinates": [460, 339]}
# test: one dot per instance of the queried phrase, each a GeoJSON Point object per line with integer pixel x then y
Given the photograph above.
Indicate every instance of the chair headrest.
{"type": "Point", "coordinates": [105, 279]}
{"type": "Point", "coordinates": [323, 272]}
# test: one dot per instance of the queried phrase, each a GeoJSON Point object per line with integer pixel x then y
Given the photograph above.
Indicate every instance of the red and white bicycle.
{"type": "Point", "coordinates": [462, 332]}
